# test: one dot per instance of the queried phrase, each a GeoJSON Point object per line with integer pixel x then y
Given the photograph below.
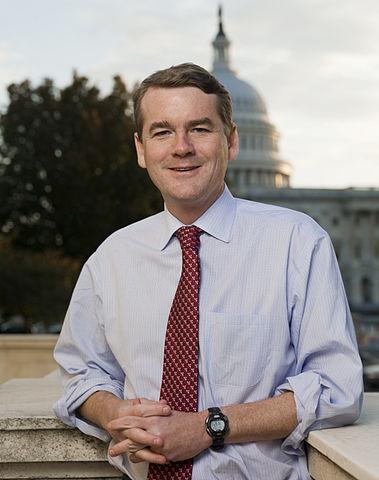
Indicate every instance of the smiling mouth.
{"type": "Point", "coordinates": [184, 169]}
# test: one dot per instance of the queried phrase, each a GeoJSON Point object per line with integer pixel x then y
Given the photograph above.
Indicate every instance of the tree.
{"type": "Point", "coordinates": [68, 169]}
{"type": "Point", "coordinates": [35, 285]}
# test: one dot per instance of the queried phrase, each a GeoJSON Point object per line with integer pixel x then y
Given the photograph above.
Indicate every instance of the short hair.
{"type": "Point", "coordinates": [184, 75]}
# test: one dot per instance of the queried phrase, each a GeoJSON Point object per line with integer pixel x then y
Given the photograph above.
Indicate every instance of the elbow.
{"type": "Point", "coordinates": [357, 407]}
{"type": "Point", "coordinates": [347, 412]}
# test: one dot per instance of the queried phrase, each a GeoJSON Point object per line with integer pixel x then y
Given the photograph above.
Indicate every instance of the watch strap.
{"type": "Point", "coordinates": [217, 438]}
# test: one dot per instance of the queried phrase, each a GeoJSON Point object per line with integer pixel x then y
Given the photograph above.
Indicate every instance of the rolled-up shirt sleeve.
{"type": "Point", "coordinates": [86, 362]}
{"type": "Point", "coordinates": [327, 383]}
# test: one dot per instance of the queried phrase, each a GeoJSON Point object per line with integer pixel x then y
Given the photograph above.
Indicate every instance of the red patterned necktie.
{"type": "Point", "coordinates": [181, 350]}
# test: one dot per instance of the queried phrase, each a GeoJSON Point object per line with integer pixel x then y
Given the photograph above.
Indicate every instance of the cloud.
{"type": "Point", "coordinates": [315, 62]}
{"type": "Point", "coordinates": [11, 67]}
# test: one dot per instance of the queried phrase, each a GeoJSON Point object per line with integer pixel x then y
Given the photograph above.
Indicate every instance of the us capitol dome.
{"type": "Point", "coordinates": [259, 162]}
{"type": "Point", "coordinates": [350, 215]}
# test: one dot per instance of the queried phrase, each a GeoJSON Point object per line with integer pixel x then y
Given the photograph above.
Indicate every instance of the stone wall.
{"type": "Point", "coordinates": [35, 444]}
{"type": "Point", "coordinates": [26, 356]}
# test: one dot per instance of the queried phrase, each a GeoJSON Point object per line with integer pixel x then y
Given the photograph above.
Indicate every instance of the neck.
{"type": "Point", "coordinates": [186, 217]}
{"type": "Point", "coordinates": [189, 213]}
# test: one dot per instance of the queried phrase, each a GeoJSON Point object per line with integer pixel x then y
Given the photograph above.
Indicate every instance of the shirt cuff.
{"type": "Point", "coordinates": [67, 405]}
{"type": "Point", "coordinates": [307, 388]}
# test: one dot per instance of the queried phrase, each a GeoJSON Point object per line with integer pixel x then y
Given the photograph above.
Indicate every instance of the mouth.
{"type": "Point", "coordinates": [184, 169]}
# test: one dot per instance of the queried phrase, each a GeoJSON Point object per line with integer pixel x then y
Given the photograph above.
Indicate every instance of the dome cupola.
{"type": "Point", "coordinates": [221, 47]}
{"type": "Point", "coordinates": [259, 162]}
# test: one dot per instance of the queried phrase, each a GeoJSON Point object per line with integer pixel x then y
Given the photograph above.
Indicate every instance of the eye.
{"type": "Point", "coordinates": [200, 130]}
{"type": "Point", "coordinates": [161, 133]}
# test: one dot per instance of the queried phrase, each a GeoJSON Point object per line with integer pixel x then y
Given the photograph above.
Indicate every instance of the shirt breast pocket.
{"type": "Point", "coordinates": [237, 348]}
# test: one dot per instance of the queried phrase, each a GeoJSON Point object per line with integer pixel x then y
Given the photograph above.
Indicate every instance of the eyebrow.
{"type": "Point", "coordinates": [162, 124]}
{"type": "Point", "coordinates": [200, 121]}
{"type": "Point", "coordinates": [191, 124]}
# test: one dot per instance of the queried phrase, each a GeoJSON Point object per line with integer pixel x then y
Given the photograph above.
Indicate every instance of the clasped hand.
{"type": "Point", "coordinates": [152, 432]}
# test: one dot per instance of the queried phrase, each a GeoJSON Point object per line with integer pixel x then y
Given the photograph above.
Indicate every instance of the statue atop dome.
{"type": "Point", "coordinates": [220, 28]}
{"type": "Point", "coordinates": [259, 163]}
{"type": "Point", "coordinates": [221, 46]}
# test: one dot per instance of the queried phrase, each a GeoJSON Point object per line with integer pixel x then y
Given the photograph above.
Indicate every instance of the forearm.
{"type": "Point", "coordinates": [264, 420]}
{"type": "Point", "coordinates": [183, 435]}
{"type": "Point", "coordinates": [100, 408]}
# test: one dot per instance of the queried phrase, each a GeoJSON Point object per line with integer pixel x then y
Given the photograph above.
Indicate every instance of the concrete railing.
{"type": "Point", "coordinates": [35, 444]}
{"type": "Point", "coordinates": [26, 355]}
{"type": "Point", "coordinates": [350, 452]}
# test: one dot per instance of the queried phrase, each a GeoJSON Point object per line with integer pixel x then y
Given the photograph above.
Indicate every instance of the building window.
{"type": "Point", "coordinates": [337, 248]}
{"type": "Point", "coordinates": [358, 251]}
{"type": "Point", "coordinates": [278, 180]}
{"type": "Point", "coordinates": [347, 284]}
{"type": "Point", "coordinates": [335, 221]}
{"type": "Point", "coordinates": [367, 290]}
{"type": "Point", "coordinates": [231, 176]}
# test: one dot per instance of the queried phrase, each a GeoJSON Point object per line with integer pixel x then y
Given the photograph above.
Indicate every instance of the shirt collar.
{"type": "Point", "coordinates": [217, 221]}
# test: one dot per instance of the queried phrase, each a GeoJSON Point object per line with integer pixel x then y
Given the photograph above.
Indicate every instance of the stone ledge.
{"type": "Point", "coordinates": [58, 445]}
{"type": "Point", "coordinates": [26, 355]}
{"type": "Point", "coordinates": [35, 444]}
{"type": "Point", "coordinates": [58, 471]}
{"type": "Point", "coordinates": [354, 448]}
{"type": "Point", "coordinates": [32, 342]}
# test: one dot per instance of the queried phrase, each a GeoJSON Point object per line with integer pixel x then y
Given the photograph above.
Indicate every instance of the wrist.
{"type": "Point", "coordinates": [116, 408]}
{"type": "Point", "coordinates": [217, 427]}
{"type": "Point", "coordinates": [100, 408]}
{"type": "Point", "coordinates": [205, 439]}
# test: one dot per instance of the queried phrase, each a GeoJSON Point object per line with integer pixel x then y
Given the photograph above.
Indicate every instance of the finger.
{"type": "Point", "coordinates": [135, 447]}
{"type": "Point", "coordinates": [146, 401]}
{"type": "Point", "coordinates": [148, 410]}
{"type": "Point", "coordinates": [119, 448]}
{"type": "Point", "coordinates": [125, 446]}
{"type": "Point", "coordinates": [146, 455]}
{"type": "Point", "coordinates": [150, 402]}
{"type": "Point", "coordinates": [136, 401]}
{"type": "Point", "coordinates": [135, 413]}
{"type": "Point", "coordinates": [151, 410]}
{"type": "Point", "coordinates": [138, 435]}
{"type": "Point", "coordinates": [123, 423]}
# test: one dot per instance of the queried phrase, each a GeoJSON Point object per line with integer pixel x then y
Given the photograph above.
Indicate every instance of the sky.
{"type": "Point", "coordinates": [315, 62]}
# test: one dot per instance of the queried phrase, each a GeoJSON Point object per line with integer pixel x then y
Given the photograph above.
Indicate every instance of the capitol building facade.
{"type": "Point", "coordinates": [350, 216]}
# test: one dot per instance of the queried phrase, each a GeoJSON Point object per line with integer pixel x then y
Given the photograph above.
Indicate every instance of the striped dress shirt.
{"type": "Point", "coordinates": [273, 318]}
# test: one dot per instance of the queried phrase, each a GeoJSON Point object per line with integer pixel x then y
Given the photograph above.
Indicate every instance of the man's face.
{"type": "Point", "coordinates": [184, 148]}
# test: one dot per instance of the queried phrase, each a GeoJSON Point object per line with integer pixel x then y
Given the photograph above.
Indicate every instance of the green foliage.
{"type": "Point", "coordinates": [68, 170]}
{"type": "Point", "coordinates": [35, 285]}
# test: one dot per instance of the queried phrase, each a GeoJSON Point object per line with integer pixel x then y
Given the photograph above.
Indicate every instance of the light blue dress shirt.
{"type": "Point", "coordinates": [273, 317]}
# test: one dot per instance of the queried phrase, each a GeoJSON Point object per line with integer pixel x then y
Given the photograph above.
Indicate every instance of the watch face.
{"type": "Point", "coordinates": [217, 425]}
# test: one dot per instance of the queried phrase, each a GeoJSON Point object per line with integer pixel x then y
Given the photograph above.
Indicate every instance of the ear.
{"type": "Point", "coordinates": [233, 143]}
{"type": "Point", "coordinates": [140, 151]}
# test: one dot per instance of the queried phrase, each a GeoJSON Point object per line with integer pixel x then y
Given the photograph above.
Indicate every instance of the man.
{"type": "Point", "coordinates": [258, 329]}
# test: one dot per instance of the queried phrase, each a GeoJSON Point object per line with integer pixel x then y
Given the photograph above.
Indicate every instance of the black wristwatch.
{"type": "Point", "coordinates": [217, 426]}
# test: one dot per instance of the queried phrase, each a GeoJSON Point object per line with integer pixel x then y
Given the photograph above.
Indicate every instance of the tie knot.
{"type": "Point", "coordinates": [189, 237]}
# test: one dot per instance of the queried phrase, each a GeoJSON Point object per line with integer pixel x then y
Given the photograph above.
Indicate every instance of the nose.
{"type": "Point", "coordinates": [183, 145]}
